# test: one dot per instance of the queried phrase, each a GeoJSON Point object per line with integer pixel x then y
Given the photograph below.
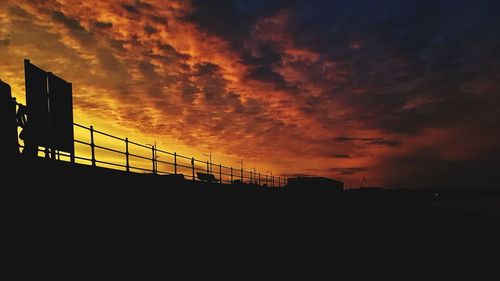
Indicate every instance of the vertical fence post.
{"type": "Point", "coordinates": [241, 174]}
{"type": "Point", "coordinates": [267, 183]}
{"type": "Point", "coordinates": [272, 181]}
{"type": "Point", "coordinates": [175, 163]}
{"type": "Point", "coordinates": [279, 182]}
{"type": "Point", "coordinates": [231, 174]}
{"type": "Point", "coordinates": [208, 171]}
{"type": "Point", "coordinates": [192, 166]}
{"type": "Point", "coordinates": [220, 173]}
{"type": "Point", "coordinates": [127, 164]}
{"type": "Point", "coordinates": [153, 159]}
{"type": "Point", "coordinates": [259, 178]}
{"type": "Point", "coordinates": [92, 145]}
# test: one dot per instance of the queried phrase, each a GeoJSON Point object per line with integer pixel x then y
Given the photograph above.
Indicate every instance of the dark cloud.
{"type": "Point", "coordinates": [159, 20]}
{"type": "Point", "coordinates": [340, 155]}
{"type": "Point", "coordinates": [347, 171]}
{"type": "Point", "coordinates": [370, 141]}
{"type": "Point", "coordinates": [230, 19]}
{"type": "Point", "coordinates": [390, 143]}
{"type": "Point", "coordinates": [69, 22]}
{"type": "Point", "coordinates": [130, 9]}
{"type": "Point", "coordinates": [149, 29]}
{"type": "Point", "coordinates": [264, 55]}
{"type": "Point", "coordinates": [103, 25]}
{"type": "Point", "coordinates": [268, 75]}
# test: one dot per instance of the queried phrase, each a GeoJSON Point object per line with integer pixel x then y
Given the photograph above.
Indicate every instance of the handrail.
{"type": "Point", "coordinates": [221, 172]}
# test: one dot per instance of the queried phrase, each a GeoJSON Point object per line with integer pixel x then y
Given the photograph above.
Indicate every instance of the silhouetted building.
{"type": "Point", "coordinates": [8, 126]}
{"type": "Point", "coordinates": [315, 183]}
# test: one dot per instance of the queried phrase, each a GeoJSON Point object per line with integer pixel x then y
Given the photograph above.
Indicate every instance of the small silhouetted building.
{"type": "Point", "coordinates": [315, 183]}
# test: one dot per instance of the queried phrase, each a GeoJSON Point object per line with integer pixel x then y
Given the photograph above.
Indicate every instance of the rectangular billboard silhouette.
{"type": "Point", "coordinates": [37, 103]}
{"type": "Point", "coordinates": [61, 113]}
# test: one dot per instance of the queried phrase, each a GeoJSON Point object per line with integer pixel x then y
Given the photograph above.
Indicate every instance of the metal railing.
{"type": "Point", "coordinates": [170, 162]}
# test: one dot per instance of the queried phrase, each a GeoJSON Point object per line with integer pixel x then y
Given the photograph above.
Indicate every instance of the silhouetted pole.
{"type": "Point", "coordinates": [208, 171]}
{"type": "Point", "coordinates": [192, 166]}
{"type": "Point", "coordinates": [210, 159]}
{"type": "Point", "coordinates": [220, 173]}
{"type": "Point", "coordinates": [231, 174]}
{"type": "Point", "coordinates": [272, 181]}
{"type": "Point", "coordinates": [92, 145]}
{"type": "Point", "coordinates": [259, 178]}
{"type": "Point", "coordinates": [127, 163]}
{"type": "Point", "coordinates": [267, 182]}
{"type": "Point", "coordinates": [241, 161]}
{"type": "Point", "coordinates": [279, 182]}
{"type": "Point", "coordinates": [175, 163]}
{"type": "Point", "coordinates": [153, 153]}
{"type": "Point", "coordinates": [251, 179]}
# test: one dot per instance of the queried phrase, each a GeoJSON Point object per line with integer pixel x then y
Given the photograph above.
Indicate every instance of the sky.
{"type": "Point", "coordinates": [402, 93]}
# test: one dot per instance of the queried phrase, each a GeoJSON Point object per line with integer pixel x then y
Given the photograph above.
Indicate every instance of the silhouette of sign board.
{"type": "Point", "coordinates": [60, 113]}
{"type": "Point", "coordinates": [49, 102]}
{"type": "Point", "coordinates": [37, 103]}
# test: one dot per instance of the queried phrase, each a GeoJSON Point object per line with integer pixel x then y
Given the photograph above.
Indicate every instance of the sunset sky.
{"type": "Point", "coordinates": [403, 93]}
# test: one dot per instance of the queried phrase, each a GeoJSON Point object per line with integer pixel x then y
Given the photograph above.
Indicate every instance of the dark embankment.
{"type": "Point", "coordinates": [69, 221]}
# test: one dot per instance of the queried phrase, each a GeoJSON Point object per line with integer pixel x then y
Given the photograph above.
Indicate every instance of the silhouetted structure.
{"type": "Point", "coordinates": [315, 183]}
{"type": "Point", "coordinates": [206, 177]}
{"type": "Point", "coordinates": [49, 109]}
{"type": "Point", "coordinates": [8, 140]}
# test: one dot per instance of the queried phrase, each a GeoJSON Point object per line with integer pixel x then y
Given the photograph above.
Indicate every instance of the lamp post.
{"type": "Point", "coordinates": [254, 178]}
{"type": "Point", "coordinates": [241, 161]}
{"type": "Point", "coordinates": [210, 160]}
{"type": "Point", "coordinates": [154, 157]}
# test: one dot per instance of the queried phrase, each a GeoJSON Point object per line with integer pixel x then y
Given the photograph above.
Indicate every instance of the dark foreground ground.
{"type": "Point", "coordinates": [63, 222]}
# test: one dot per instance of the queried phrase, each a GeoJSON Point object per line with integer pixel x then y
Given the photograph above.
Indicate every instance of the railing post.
{"type": "Point", "coordinates": [272, 181]}
{"type": "Point", "coordinates": [192, 166]}
{"type": "Point", "coordinates": [153, 153]}
{"type": "Point", "coordinates": [267, 182]}
{"type": "Point", "coordinates": [242, 175]}
{"type": "Point", "coordinates": [92, 145]}
{"type": "Point", "coordinates": [259, 178]}
{"type": "Point", "coordinates": [220, 173]}
{"type": "Point", "coordinates": [231, 174]}
{"type": "Point", "coordinates": [251, 178]}
{"type": "Point", "coordinates": [127, 165]}
{"type": "Point", "coordinates": [175, 163]}
{"type": "Point", "coordinates": [279, 182]}
{"type": "Point", "coordinates": [208, 171]}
